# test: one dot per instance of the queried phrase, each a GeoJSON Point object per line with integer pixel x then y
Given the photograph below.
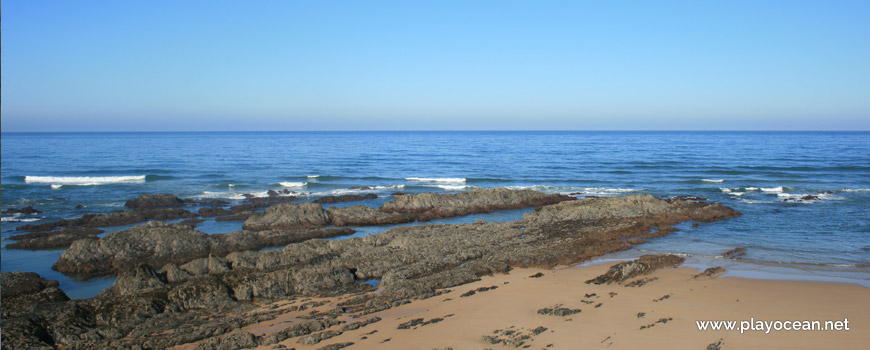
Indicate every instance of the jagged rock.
{"type": "Point", "coordinates": [28, 288]}
{"type": "Point", "coordinates": [345, 198]}
{"type": "Point", "coordinates": [642, 266]}
{"type": "Point", "coordinates": [288, 216]}
{"type": "Point", "coordinates": [139, 278]}
{"type": "Point", "coordinates": [150, 201]}
{"type": "Point", "coordinates": [361, 215]}
{"type": "Point", "coordinates": [711, 272]}
{"type": "Point", "coordinates": [28, 210]}
{"type": "Point", "coordinates": [237, 339]}
{"type": "Point", "coordinates": [315, 338]}
{"type": "Point", "coordinates": [52, 240]}
{"type": "Point", "coordinates": [157, 243]}
{"type": "Point", "coordinates": [209, 212]}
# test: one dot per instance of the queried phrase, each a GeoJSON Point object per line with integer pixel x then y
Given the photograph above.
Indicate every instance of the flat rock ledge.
{"type": "Point", "coordinates": [401, 209]}
{"type": "Point", "coordinates": [156, 243]}
{"type": "Point", "coordinates": [209, 297]}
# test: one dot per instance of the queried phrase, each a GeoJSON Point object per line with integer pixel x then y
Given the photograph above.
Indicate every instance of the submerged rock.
{"type": "Point", "coordinates": [52, 240]}
{"type": "Point", "coordinates": [345, 198]}
{"type": "Point", "coordinates": [117, 218]}
{"type": "Point", "coordinates": [151, 201]}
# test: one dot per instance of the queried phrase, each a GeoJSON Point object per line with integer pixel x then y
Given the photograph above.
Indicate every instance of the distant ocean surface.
{"type": "Point", "coordinates": [805, 196]}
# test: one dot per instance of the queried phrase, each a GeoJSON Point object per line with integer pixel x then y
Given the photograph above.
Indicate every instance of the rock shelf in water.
{"type": "Point", "coordinates": [211, 295]}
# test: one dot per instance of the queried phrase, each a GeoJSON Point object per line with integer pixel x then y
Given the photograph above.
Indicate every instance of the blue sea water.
{"type": "Point", "coordinates": [764, 175]}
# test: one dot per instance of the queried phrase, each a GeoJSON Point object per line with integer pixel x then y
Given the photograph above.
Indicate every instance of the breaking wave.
{"type": "Point", "coordinates": [84, 180]}
{"type": "Point", "coordinates": [448, 180]}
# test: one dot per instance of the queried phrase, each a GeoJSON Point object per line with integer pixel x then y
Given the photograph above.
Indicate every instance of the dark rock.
{"type": "Point", "coordinates": [113, 219]}
{"type": "Point", "coordinates": [192, 221]}
{"type": "Point", "coordinates": [28, 210]}
{"type": "Point", "coordinates": [215, 203]}
{"type": "Point", "coordinates": [558, 311]}
{"type": "Point", "coordinates": [715, 345]}
{"type": "Point", "coordinates": [242, 216]}
{"type": "Point", "coordinates": [361, 215]}
{"type": "Point", "coordinates": [273, 193]}
{"type": "Point", "coordinates": [345, 198]}
{"type": "Point", "coordinates": [288, 216]}
{"type": "Point", "coordinates": [209, 212]}
{"type": "Point", "coordinates": [157, 244]}
{"type": "Point", "coordinates": [336, 346]}
{"type": "Point", "coordinates": [711, 272]}
{"type": "Point", "coordinates": [79, 206]}
{"type": "Point", "coordinates": [150, 201]}
{"type": "Point", "coordinates": [644, 265]}
{"type": "Point", "coordinates": [315, 338]}
{"type": "Point", "coordinates": [735, 253]}
{"type": "Point", "coordinates": [237, 339]}
{"type": "Point", "coordinates": [210, 296]}
{"type": "Point", "coordinates": [428, 206]}
{"type": "Point", "coordinates": [398, 194]}
{"type": "Point", "coordinates": [52, 240]}
{"type": "Point", "coordinates": [537, 275]}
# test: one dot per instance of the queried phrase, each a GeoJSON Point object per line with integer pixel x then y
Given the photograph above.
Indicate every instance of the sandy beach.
{"type": "Point", "coordinates": [613, 316]}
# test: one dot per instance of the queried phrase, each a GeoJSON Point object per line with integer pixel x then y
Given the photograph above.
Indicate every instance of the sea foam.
{"type": "Point", "coordinates": [84, 180]}
{"type": "Point", "coordinates": [293, 184]}
{"type": "Point", "coordinates": [447, 180]}
{"type": "Point", "coordinates": [709, 180]}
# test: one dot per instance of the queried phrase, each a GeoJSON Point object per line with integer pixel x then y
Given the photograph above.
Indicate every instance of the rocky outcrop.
{"type": "Point", "coordinates": [210, 296]}
{"type": "Point", "coordinates": [288, 216]}
{"type": "Point", "coordinates": [402, 209]}
{"type": "Point", "coordinates": [28, 210]}
{"type": "Point", "coordinates": [345, 198]}
{"type": "Point", "coordinates": [427, 206]}
{"type": "Point", "coordinates": [59, 239]}
{"type": "Point", "coordinates": [644, 265]}
{"type": "Point", "coordinates": [361, 215]}
{"type": "Point", "coordinates": [22, 294]}
{"type": "Point", "coordinates": [151, 201]}
{"type": "Point", "coordinates": [157, 243]}
{"type": "Point", "coordinates": [116, 218]}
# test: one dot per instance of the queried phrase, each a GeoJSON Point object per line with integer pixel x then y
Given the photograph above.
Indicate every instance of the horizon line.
{"type": "Point", "coordinates": [433, 130]}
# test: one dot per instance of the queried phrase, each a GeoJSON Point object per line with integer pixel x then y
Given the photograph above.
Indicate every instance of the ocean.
{"type": "Point", "coordinates": [805, 196]}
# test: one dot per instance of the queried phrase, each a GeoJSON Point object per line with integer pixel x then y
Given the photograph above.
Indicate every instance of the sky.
{"type": "Point", "coordinates": [434, 65]}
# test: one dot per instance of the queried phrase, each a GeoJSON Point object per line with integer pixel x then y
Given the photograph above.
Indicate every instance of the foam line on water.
{"type": "Point", "coordinates": [84, 180]}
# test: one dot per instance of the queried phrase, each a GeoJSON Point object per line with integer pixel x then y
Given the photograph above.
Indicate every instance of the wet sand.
{"type": "Point", "coordinates": [660, 314]}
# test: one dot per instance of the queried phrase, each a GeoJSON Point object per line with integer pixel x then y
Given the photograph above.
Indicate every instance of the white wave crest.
{"type": "Point", "coordinates": [293, 184]}
{"type": "Point", "coordinates": [709, 180]}
{"type": "Point", "coordinates": [447, 180]}
{"type": "Point", "coordinates": [751, 189]}
{"type": "Point", "coordinates": [313, 176]}
{"type": "Point", "coordinates": [16, 218]}
{"type": "Point", "coordinates": [84, 180]}
{"type": "Point", "coordinates": [752, 201]}
{"type": "Point", "coordinates": [595, 191]}
{"type": "Point", "coordinates": [451, 187]}
{"type": "Point", "coordinates": [855, 190]}
{"type": "Point", "coordinates": [738, 194]}
{"type": "Point", "coordinates": [779, 189]}
{"type": "Point", "coordinates": [221, 195]}
{"type": "Point", "coordinates": [56, 187]}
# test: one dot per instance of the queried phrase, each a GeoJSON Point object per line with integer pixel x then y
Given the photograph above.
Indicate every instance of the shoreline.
{"type": "Point", "coordinates": [611, 318]}
{"type": "Point", "coordinates": [750, 269]}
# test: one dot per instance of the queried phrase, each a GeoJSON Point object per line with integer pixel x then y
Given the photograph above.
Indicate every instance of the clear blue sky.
{"type": "Point", "coordinates": [364, 65]}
